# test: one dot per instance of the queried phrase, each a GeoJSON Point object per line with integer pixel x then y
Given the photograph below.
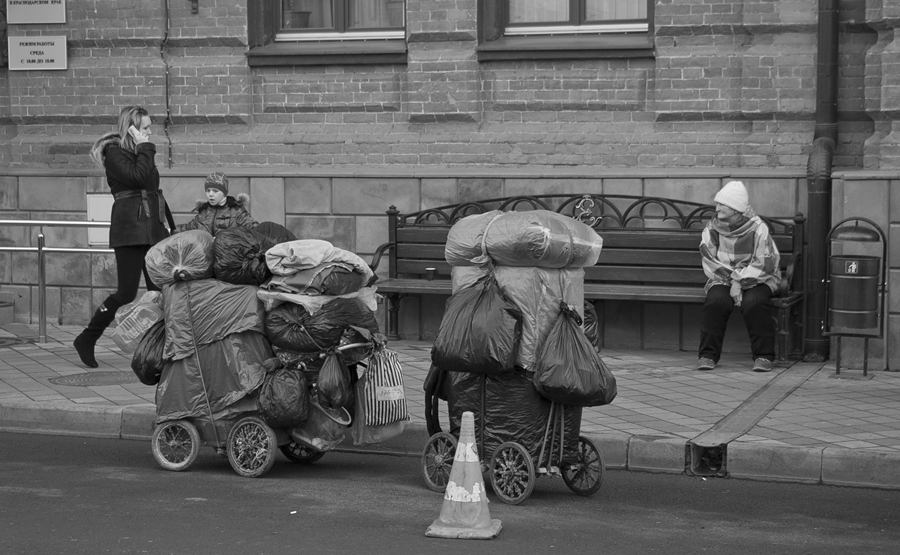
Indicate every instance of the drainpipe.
{"type": "Point", "coordinates": [818, 171]}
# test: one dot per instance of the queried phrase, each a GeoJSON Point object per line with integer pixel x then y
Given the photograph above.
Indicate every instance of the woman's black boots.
{"type": "Point", "coordinates": [86, 340]}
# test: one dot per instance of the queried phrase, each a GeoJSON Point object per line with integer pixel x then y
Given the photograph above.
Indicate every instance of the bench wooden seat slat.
{"type": "Point", "coordinates": [650, 251]}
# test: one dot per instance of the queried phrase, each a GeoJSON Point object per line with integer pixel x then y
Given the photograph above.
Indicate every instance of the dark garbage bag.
{"type": "Point", "coordinates": [292, 327]}
{"type": "Point", "coordinates": [341, 281]}
{"type": "Point", "coordinates": [479, 332]}
{"type": "Point", "coordinates": [272, 234]}
{"type": "Point", "coordinates": [569, 370]}
{"type": "Point", "coordinates": [513, 411]}
{"type": "Point", "coordinates": [592, 324]}
{"type": "Point", "coordinates": [240, 257]}
{"type": "Point", "coordinates": [148, 360]}
{"type": "Point", "coordinates": [184, 256]}
{"type": "Point", "coordinates": [334, 383]}
{"type": "Point", "coordinates": [283, 397]}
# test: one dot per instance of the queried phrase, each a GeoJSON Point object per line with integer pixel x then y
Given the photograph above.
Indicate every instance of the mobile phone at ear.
{"type": "Point", "coordinates": [133, 131]}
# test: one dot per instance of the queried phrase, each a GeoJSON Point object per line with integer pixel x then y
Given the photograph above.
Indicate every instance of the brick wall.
{"type": "Point", "coordinates": [732, 83]}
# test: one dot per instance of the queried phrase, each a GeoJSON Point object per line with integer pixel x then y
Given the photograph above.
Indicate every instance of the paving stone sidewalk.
{"type": "Point", "coordinates": [799, 423]}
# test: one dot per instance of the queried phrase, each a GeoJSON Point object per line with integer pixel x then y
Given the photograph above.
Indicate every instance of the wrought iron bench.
{"type": "Point", "coordinates": [650, 252]}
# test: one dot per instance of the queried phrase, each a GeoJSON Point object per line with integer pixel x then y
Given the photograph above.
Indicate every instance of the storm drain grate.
{"type": "Point", "coordinates": [96, 378]}
{"type": "Point", "coordinates": [12, 341]}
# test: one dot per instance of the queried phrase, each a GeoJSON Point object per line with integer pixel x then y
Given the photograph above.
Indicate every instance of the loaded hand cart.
{"type": "Point", "coordinates": [213, 386]}
{"type": "Point", "coordinates": [521, 435]}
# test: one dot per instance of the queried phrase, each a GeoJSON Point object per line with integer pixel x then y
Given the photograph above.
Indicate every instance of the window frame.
{"type": "Point", "coordinates": [264, 48]}
{"type": "Point", "coordinates": [495, 42]}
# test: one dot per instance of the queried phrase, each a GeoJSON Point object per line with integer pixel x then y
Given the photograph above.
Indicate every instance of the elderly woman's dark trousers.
{"type": "Point", "coordinates": [759, 316]}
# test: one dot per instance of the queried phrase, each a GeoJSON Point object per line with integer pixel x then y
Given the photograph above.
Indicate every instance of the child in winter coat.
{"type": "Point", "coordinates": [220, 211]}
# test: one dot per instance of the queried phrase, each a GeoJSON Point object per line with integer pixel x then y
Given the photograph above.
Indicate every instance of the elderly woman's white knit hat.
{"type": "Point", "coordinates": [734, 195]}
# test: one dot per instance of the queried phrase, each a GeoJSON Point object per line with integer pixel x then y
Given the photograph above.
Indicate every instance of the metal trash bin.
{"type": "Point", "coordinates": [853, 292]}
{"type": "Point", "coordinates": [857, 286]}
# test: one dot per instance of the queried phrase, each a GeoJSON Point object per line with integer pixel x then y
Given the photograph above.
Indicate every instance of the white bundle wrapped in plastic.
{"type": "Point", "coordinates": [536, 292]}
{"type": "Point", "coordinates": [536, 238]}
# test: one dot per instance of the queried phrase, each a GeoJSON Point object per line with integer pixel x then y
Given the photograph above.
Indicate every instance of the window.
{"type": "Point", "coordinates": [543, 17]}
{"type": "Point", "coordinates": [341, 19]}
{"type": "Point", "coordinates": [326, 32]}
{"type": "Point", "coordinates": [560, 29]}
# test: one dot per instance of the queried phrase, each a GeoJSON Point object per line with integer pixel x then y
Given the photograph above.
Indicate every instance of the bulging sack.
{"type": "Point", "coordinates": [480, 331]}
{"type": "Point", "coordinates": [148, 360]}
{"type": "Point", "coordinates": [184, 256]}
{"type": "Point", "coordinates": [569, 370]}
{"type": "Point", "coordinates": [283, 397]}
{"type": "Point", "coordinates": [134, 319]}
{"type": "Point", "coordinates": [240, 257]}
{"type": "Point", "coordinates": [334, 383]}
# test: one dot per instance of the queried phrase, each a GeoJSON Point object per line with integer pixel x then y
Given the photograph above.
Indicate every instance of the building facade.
{"type": "Point", "coordinates": [326, 117]}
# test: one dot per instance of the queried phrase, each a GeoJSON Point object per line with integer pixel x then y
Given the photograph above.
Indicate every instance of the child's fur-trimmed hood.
{"type": "Point", "coordinates": [243, 199]}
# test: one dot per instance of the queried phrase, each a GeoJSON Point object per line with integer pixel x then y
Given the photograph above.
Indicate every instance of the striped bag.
{"type": "Point", "coordinates": [384, 394]}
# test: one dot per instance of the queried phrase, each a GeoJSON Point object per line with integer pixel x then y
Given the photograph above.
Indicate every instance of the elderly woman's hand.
{"type": "Point", "coordinates": [736, 293]}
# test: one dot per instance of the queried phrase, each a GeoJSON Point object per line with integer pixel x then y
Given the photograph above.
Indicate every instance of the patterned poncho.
{"type": "Point", "coordinates": [743, 251]}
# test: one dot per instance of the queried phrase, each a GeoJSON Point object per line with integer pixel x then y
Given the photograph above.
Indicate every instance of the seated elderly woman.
{"type": "Point", "coordinates": [742, 264]}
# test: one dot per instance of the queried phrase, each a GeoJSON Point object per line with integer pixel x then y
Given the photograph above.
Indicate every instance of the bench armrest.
{"type": "Point", "coordinates": [785, 288]}
{"type": "Point", "coordinates": [379, 252]}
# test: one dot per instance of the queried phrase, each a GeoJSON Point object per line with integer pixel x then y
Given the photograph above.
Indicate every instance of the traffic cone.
{"type": "Point", "coordinates": [465, 513]}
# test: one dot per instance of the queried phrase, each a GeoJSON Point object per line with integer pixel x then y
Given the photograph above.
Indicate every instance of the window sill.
{"type": "Point", "coordinates": [351, 52]}
{"type": "Point", "coordinates": [566, 47]}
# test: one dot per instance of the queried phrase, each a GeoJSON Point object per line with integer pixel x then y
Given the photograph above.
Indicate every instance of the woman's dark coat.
{"type": "Point", "coordinates": [139, 212]}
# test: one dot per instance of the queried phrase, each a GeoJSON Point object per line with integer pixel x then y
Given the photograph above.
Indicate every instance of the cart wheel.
{"type": "Point", "coordinates": [585, 476]}
{"type": "Point", "coordinates": [251, 447]}
{"type": "Point", "coordinates": [512, 473]}
{"type": "Point", "coordinates": [437, 460]}
{"type": "Point", "coordinates": [175, 445]}
{"type": "Point", "coordinates": [299, 453]}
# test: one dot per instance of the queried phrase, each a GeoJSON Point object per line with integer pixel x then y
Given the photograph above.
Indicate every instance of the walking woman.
{"type": "Point", "coordinates": [138, 219]}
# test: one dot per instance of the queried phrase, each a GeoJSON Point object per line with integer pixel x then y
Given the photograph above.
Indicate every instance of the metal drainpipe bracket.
{"type": "Point", "coordinates": [708, 460]}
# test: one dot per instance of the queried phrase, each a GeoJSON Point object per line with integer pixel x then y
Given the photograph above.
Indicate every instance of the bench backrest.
{"type": "Point", "coordinates": [645, 240]}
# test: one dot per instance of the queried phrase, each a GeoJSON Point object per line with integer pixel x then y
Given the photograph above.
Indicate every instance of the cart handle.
{"type": "Point", "coordinates": [345, 347]}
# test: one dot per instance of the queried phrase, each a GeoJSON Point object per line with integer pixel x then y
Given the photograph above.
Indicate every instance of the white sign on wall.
{"type": "Point", "coordinates": [36, 11]}
{"type": "Point", "coordinates": [99, 209]}
{"type": "Point", "coordinates": [37, 53]}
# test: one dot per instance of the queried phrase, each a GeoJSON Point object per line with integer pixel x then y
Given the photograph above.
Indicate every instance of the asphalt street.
{"type": "Point", "coordinates": [70, 495]}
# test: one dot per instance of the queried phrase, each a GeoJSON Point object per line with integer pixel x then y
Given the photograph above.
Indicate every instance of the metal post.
{"type": "Point", "coordinates": [42, 289]}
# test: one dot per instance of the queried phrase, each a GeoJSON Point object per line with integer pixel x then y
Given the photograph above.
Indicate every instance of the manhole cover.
{"type": "Point", "coordinates": [96, 378]}
{"type": "Point", "coordinates": [10, 341]}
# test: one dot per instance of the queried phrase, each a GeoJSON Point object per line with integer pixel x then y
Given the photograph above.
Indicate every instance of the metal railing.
{"type": "Point", "coordinates": [42, 250]}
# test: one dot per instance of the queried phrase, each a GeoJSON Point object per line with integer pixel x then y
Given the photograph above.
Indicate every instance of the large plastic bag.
{"type": "Point", "coordinates": [134, 319]}
{"type": "Point", "coordinates": [385, 396]}
{"type": "Point", "coordinates": [318, 431]}
{"type": "Point", "coordinates": [365, 434]}
{"type": "Point", "coordinates": [284, 397]}
{"type": "Point", "coordinates": [184, 256]}
{"type": "Point", "coordinates": [223, 376]}
{"type": "Point", "coordinates": [534, 238]}
{"type": "Point", "coordinates": [203, 311]}
{"type": "Point", "coordinates": [479, 332]}
{"type": "Point", "coordinates": [240, 257]}
{"type": "Point", "coordinates": [514, 411]}
{"type": "Point", "coordinates": [292, 327]}
{"type": "Point", "coordinates": [569, 370]}
{"type": "Point", "coordinates": [333, 391]}
{"type": "Point", "coordinates": [148, 361]}
{"type": "Point", "coordinates": [536, 292]}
